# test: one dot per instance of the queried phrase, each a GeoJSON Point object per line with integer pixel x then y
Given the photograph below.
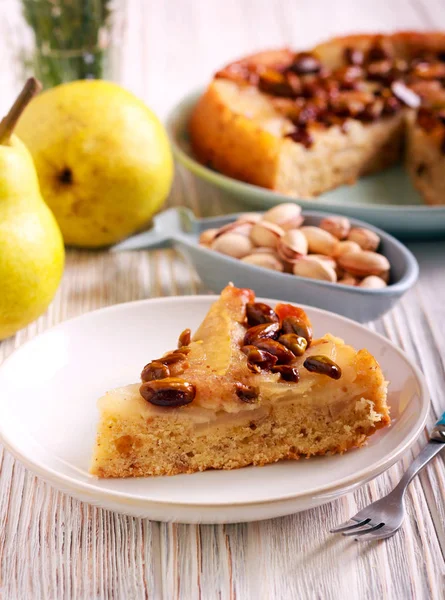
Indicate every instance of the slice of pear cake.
{"type": "Point", "coordinates": [250, 388]}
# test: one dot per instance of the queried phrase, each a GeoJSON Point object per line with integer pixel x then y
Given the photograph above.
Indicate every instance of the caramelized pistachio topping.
{"type": "Point", "coordinates": [258, 359]}
{"type": "Point", "coordinates": [155, 370]}
{"type": "Point", "coordinates": [322, 365]}
{"type": "Point", "coordinates": [299, 327]}
{"type": "Point", "coordinates": [173, 357]}
{"type": "Point", "coordinates": [258, 313]}
{"type": "Point", "coordinates": [185, 338]}
{"type": "Point", "coordinates": [287, 372]}
{"type": "Point", "coordinates": [261, 332]}
{"type": "Point", "coordinates": [282, 353]}
{"type": "Point", "coordinates": [371, 84]}
{"type": "Point", "coordinates": [295, 343]}
{"type": "Point", "coordinates": [274, 344]}
{"type": "Point", "coordinates": [246, 393]}
{"type": "Point", "coordinates": [169, 392]}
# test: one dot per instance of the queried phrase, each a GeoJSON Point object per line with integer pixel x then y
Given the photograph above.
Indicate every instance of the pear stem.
{"type": "Point", "coordinates": [7, 125]}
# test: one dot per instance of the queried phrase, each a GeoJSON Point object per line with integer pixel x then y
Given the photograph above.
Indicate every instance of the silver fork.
{"type": "Point", "coordinates": [383, 518]}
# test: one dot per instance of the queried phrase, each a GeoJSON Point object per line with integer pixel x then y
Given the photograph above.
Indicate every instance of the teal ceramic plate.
{"type": "Point", "coordinates": [387, 200]}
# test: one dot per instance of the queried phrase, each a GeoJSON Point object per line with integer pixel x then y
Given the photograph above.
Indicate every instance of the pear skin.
{"type": "Point", "coordinates": [31, 244]}
{"type": "Point", "coordinates": [103, 160]}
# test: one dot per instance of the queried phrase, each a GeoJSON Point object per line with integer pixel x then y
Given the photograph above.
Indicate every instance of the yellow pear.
{"type": "Point", "coordinates": [103, 160]}
{"type": "Point", "coordinates": [31, 245]}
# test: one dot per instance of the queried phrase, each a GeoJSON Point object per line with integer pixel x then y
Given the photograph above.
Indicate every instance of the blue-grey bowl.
{"type": "Point", "coordinates": [179, 228]}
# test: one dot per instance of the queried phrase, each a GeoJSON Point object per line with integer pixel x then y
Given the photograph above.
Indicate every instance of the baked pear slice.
{"type": "Point", "coordinates": [250, 388]}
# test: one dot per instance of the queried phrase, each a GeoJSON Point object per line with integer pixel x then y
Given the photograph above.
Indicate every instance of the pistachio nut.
{"type": "Point", "coordinates": [364, 263]}
{"type": "Point", "coordinates": [261, 331]}
{"type": "Point", "coordinates": [287, 216]}
{"type": "Point", "coordinates": [258, 359]}
{"type": "Point", "coordinates": [327, 259]}
{"type": "Point", "coordinates": [319, 240]}
{"type": "Point", "coordinates": [232, 244]}
{"type": "Point", "coordinates": [298, 325]}
{"type": "Point", "coordinates": [314, 268]}
{"type": "Point", "coordinates": [338, 226]}
{"type": "Point", "coordinates": [348, 279]}
{"type": "Point", "coordinates": [295, 343]}
{"type": "Point", "coordinates": [322, 365]}
{"type": "Point", "coordinates": [264, 250]}
{"type": "Point", "coordinates": [365, 238]}
{"type": "Point", "coordinates": [267, 261]}
{"type": "Point", "coordinates": [283, 354]}
{"type": "Point", "coordinates": [170, 391]}
{"type": "Point", "coordinates": [207, 236]}
{"type": "Point", "coordinates": [155, 370]}
{"type": "Point", "coordinates": [241, 227]}
{"type": "Point", "coordinates": [247, 393]}
{"type": "Point", "coordinates": [385, 276]}
{"type": "Point", "coordinates": [287, 372]}
{"type": "Point", "coordinates": [292, 245]}
{"type": "Point", "coordinates": [339, 271]}
{"type": "Point", "coordinates": [372, 282]}
{"type": "Point", "coordinates": [258, 313]}
{"type": "Point", "coordinates": [185, 338]}
{"type": "Point", "coordinates": [266, 234]}
{"type": "Point", "coordinates": [346, 246]}
{"type": "Point", "coordinates": [250, 217]}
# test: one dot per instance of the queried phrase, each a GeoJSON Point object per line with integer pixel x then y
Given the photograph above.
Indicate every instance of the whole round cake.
{"type": "Point", "coordinates": [302, 123]}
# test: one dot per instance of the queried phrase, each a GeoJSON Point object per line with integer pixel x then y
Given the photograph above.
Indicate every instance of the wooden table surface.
{"type": "Point", "coordinates": [52, 546]}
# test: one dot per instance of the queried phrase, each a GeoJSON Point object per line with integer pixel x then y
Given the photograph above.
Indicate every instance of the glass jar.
{"type": "Point", "coordinates": [71, 39]}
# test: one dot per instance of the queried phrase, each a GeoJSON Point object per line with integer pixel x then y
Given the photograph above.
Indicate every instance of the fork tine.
{"type": "Point", "coordinates": [351, 524]}
{"type": "Point", "coordinates": [364, 530]}
{"type": "Point", "coordinates": [374, 536]}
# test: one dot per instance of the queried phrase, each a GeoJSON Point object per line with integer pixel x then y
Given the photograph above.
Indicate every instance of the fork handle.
{"type": "Point", "coordinates": [434, 446]}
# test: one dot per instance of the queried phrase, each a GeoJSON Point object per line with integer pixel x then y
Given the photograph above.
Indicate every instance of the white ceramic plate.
{"type": "Point", "coordinates": [48, 417]}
